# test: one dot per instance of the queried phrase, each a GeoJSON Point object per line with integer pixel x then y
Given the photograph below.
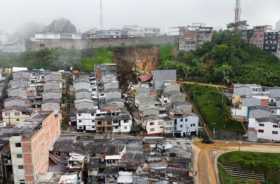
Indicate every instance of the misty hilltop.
{"type": "Point", "coordinates": [61, 25]}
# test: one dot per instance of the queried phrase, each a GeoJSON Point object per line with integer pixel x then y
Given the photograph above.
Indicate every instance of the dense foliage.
{"type": "Point", "coordinates": [214, 108]}
{"type": "Point", "coordinates": [267, 163]}
{"type": "Point", "coordinates": [57, 59]}
{"type": "Point", "coordinates": [100, 56]}
{"type": "Point", "coordinates": [226, 59]}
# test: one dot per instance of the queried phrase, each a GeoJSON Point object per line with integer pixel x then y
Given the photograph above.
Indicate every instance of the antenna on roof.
{"type": "Point", "coordinates": [101, 15]}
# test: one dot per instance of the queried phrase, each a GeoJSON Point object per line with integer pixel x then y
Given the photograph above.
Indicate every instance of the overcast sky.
{"type": "Point", "coordinates": [161, 13]}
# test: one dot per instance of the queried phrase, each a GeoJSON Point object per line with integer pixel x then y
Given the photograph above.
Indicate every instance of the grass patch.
{"type": "Point", "coordinates": [214, 108]}
{"type": "Point", "coordinates": [268, 163]}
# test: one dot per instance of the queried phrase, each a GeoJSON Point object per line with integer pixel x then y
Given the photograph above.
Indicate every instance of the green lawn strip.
{"type": "Point", "coordinates": [214, 108]}
{"type": "Point", "coordinates": [268, 163]}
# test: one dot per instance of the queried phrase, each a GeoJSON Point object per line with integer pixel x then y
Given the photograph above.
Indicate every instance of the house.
{"type": "Point", "coordinates": [186, 125]}
{"type": "Point", "coordinates": [86, 120]}
{"type": "Point", "coordinates": [244, 90]}
{"type": "Point", "coordinates": [16, 114]}
{"type": "Point", "coordinates": [52, 94]}
{"type": "Point", "coordinates": [85, 104]}
{"type": "Point", "coordinates": [113, 122]}
{"type": "Point", "coordinates": [22, 75]}
{"type": "Point", "coordinates": [21, 83]}
{"type": "Point", "coordinates": [16, 102]}
{"type": "Point", "coordinates": [154, 126]}
{"type": "Point", "coordinates": [267, 128]}
{"type": "Point", "coordinates": [17, 92]}
{"type": "Point", "coordinates": [51, 85]}
{"type": "Point", "coordinates": [51, 105]}
{"type": "Point", "coordinates": [193, 36]}
{"type": "Point", "coordinates": [81, 85]}
{"type": "Point", "coordinates": [82, 94]}
{"type": "Point", "coordinates": [162, 76]}
{"type": "Point", "coordinates": [181, 108]}
{"type": "Point", "coordinates": [53, 76]}
{"type": "Point", "coordinates": [259, 112]}
{"type": "Point", "coordinates": [33, 143]}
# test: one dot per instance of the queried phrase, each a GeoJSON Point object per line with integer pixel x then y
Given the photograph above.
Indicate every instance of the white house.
{"type": "Point", "coordinates": [154, 126]}
{"type": "Point", "coordinates": [122, 124]}
{"type": "Point", "coordinates": [186, 125]}
{"type": "Point", "coordinates": [86, 121]}
{"type": "Point", "coordinates": [266, 128]}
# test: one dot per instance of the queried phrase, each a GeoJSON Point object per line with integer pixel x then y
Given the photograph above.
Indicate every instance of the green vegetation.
{"type": "Point", "coordinates": [101, 56]}
{"type": "Point", "coordinates": [226, 178]}
{"type": "Point", "coordinates": [57, 59]}
{"type": "Point", "coordinates": [267, 163]}
{"type": "Point", "coordinates": [214, 108]}
{"type": "Point", "coordinates": [226, 59]}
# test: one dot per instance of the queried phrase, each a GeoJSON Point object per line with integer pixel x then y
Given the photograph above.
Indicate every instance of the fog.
{"type": "Point", "coordinates": [160, 13]}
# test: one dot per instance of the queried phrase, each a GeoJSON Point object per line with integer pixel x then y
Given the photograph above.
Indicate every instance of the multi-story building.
{"type": "Point", "coordinates": [14, 115]}
{"type": "Point", "coordinates": [192, 37]}
{"type": "Point", "coordinates": [186, 125]}
{"type": "Point", "coordinates": [29, 145]}
{"type": "Point", "coordinates": [258, 34]}
{"type": "Point", "coordinates": [265, 128]}
{"type": "Point", "coordinates": [271, 42]}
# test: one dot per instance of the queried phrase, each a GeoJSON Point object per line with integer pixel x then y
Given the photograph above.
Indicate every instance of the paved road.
{"type": "Point", "coordinates": [205, 157]}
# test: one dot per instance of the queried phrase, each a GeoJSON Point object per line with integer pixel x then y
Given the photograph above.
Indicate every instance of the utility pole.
{"type": "Point", "coordinates": [101, 15]}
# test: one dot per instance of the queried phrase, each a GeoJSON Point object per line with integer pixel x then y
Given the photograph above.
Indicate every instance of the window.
{"type": "Point", "coordinates": [182, 119]}
{"type": "Point", "coordinates": [92, 121]}
{"type": "Point", "coordinates": [275, 126]}
{"type": "Point", "coordinates": [21, 182]}
{"type": "Point", "coordinates": [260, 131]}
{"type": "Point", "coordinates": [19, 155]}
{"type": "Point", "coordinates": [274, 132]}
{"type": "Point", "coordinates": [17, 119]}
{"type": "Point", "coordinates": [17, 113]}
{"type": "Point", "coordinates": [152, 129]}
{"type": "Point", "coordinates": [80, 121]}
{"type": "Point", "coordinates": [20, 166]}
{"type": "Point", "coordinates": [18, 144]}
{"type": "Point", "coordinates": [152, 123]}
{"type": "Point", "coordinates": [7, 114]}
{"type": "Point", "coordinates": [181, 126]}
{"type": "Point", "coordinates": [261, 124]}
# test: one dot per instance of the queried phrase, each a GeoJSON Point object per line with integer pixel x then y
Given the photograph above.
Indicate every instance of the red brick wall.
{"type": "Point", "coordinates": [36, 152]}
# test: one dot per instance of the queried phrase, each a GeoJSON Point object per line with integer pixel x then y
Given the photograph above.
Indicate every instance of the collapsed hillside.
{"type": "Point", "coordinates": [135, 61]}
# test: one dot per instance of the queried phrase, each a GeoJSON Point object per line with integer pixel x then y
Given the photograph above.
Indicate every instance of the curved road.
{"type": "Point", "coordinates": [205, 157]}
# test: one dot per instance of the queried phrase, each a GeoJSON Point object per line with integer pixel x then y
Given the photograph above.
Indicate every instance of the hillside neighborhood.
{"type": "Point", "coordinates": [163, 102]}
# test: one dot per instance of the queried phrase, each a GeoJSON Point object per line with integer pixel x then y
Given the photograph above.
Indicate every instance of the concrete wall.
{"type": "Point", "coordinates": [101, 43]}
